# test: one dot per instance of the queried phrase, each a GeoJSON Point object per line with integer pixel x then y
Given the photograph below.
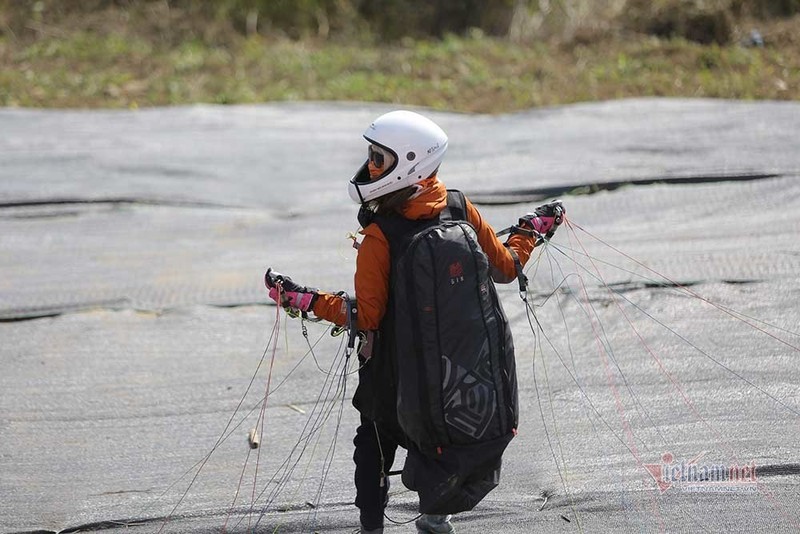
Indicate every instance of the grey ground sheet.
{"type": "Point", "coordinates": [133, 317]}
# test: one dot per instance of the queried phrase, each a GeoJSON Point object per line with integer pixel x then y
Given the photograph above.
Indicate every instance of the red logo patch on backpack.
{"type": "Point", "coordinates": [456, 273]}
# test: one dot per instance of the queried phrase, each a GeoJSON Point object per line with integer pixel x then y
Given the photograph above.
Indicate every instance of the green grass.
{"type": "Point", "coordinates": [471, 74]}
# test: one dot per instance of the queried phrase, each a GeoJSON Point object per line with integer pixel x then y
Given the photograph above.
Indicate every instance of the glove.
{"type": "Point", "coordinates": [289, 294]}
{"type": "Point", "coordinates": [545, 219]}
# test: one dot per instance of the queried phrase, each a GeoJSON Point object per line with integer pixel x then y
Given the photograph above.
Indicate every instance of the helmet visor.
{"type": "Point", "coordinates": [380, 160]}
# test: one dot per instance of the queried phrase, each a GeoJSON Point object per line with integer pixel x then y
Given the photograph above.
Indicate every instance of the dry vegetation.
{"type": "Point", "coordinates": [143, 53]}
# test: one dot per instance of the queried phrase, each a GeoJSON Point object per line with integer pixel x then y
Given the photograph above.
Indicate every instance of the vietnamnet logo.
{"type": "Point", "coordinates": [692, 476]}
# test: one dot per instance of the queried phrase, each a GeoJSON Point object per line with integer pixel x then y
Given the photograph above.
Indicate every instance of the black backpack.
{"type": "Point", "coordinates": [453, 359]}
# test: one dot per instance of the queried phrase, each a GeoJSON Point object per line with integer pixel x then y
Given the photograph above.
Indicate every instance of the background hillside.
{"type": "Point", "coordinates": [473, 55]}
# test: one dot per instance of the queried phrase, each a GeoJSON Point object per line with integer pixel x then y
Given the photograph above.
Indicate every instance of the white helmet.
{"type": "Point", "coordinates": [417, 145]}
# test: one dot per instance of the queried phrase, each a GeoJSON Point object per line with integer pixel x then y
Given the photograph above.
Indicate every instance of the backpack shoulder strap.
{"type": "Point", "coordinates": [456, 209]}
{"type": "Point", "coordinates": [398, 232]}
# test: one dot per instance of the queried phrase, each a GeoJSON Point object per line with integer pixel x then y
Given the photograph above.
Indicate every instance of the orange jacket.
{"type": "Point", "coordinates": [373, 262]}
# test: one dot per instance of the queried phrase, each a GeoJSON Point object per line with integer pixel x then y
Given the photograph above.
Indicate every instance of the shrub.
{"type": "Point", "coordinates": [702, 21]}
{"type": "Point", "coordinates": [766, 8]}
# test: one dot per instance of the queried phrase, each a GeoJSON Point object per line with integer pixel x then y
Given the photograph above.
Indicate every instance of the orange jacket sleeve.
{"type": "Point", "coordinates": [499, 255]}
{"type": "Point", "coordinates": [331, 308]}
{"type": "Point", "coordinates": [371, 283]}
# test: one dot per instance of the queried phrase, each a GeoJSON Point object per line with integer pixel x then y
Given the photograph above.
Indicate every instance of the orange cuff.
{"type": "Point", "coordinates": [331, 308]}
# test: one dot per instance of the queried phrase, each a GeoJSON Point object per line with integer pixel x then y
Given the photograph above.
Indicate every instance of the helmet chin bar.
{"type": "Point", "coordinates": [362, 188]}
{"type": "Point", "coordinates": [354, 193]}
{"type": "Point", "coordinates": [361, 192]}
{"type": "Point", "coordinates": [361, 177]}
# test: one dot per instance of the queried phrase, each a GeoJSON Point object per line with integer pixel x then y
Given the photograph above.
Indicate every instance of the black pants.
{"type": "Point", "coordinates": [372, 457]}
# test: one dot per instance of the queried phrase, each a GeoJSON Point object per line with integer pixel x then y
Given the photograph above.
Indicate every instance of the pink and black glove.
{"type": "Point", "coordinates": [545, 219]}
{"type": "Point", "coordinates": [289, 294]}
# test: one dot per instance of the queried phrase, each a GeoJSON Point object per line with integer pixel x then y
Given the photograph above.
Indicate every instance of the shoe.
{"type": "Point", "coordinates": [435, 524]}
{"type": "Point", "coordinates": [363, 530]}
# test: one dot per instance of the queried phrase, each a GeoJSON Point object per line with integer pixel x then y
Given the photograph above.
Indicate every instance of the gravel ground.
{"type": "Point", "coordinates": [132, 316]}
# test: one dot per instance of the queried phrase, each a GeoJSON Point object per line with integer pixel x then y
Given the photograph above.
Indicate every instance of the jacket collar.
{"type": "Point", "coordinates": [428, 201]}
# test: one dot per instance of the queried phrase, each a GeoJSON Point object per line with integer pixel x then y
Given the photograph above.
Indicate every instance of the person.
{"type": "Point", "coordinates": [399, 184]}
